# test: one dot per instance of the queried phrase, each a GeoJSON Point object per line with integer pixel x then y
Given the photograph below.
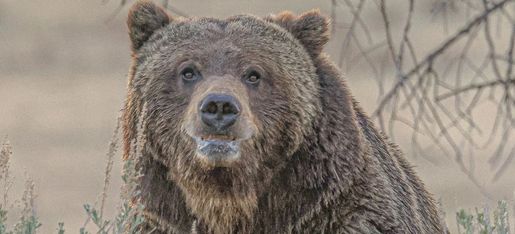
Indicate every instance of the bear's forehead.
{"type": "Point", "coordinates": [222, 41]}
{"type": "Point", "coordinates": [233, 25]}
{"type": "Point", "coordinates": [222, 45]}
{"type": "Point", "coordinates": [241, 30]}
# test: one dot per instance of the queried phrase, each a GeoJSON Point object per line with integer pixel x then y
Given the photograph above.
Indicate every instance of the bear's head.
{"type": "Point", "coordinates": [227, 101]}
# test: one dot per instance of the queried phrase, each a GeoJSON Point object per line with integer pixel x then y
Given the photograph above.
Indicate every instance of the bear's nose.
{"type": "Point", "coordinates": [219, 111]}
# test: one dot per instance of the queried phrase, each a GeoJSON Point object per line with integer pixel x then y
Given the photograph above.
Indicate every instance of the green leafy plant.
{"type": "Point", "coordinates": [481, 223]}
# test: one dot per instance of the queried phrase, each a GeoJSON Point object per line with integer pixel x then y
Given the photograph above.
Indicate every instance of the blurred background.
{"type": "Point", "coordinates": [63, 67]}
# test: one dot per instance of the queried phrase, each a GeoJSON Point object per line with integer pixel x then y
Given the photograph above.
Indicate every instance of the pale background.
{"type": "Point", "coordinates": [63, 80]}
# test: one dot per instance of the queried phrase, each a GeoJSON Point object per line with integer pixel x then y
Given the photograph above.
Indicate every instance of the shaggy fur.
{"type": "Point", "coordinates": [314, 162]}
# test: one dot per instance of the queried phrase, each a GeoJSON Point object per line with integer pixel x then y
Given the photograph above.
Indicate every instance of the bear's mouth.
{"type": "Point", "coordinates": [218, 151]}
{"type": "Point", "coordinates": [217, 138]}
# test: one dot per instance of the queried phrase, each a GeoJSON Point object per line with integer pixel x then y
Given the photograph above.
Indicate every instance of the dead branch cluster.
{"type": "Point", "coordinates": [443, 94]}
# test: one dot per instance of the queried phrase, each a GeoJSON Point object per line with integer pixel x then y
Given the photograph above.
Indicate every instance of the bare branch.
{"type": "Point", "coordinates": [437, 52]}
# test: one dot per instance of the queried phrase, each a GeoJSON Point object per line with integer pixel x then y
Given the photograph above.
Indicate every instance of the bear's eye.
{"type": "Point", "coordinates": [188, 74]}
{"type": "Point", "coordinates": [253, 77]}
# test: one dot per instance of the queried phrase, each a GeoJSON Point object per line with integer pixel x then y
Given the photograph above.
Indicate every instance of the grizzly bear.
{"type": "Point", "coordinates": [248, 127]}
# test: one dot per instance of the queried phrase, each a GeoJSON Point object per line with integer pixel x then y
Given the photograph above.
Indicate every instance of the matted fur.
{"type": "Point", "coordinates": [315, 163]}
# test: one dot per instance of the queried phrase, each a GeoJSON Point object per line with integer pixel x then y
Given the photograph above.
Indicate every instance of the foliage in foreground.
{"type": "Point", "coordinates": [28, 222]}
{"type": "Point", "coordinates": [129, 217]}
{"type": "Point", "coordinates": [481, 221]}
{"type": "Point", "coordinates": [127, 220]}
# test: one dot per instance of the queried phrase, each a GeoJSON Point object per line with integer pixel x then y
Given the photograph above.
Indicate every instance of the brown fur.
{"type": "Point", "coordinates": [313, 162]}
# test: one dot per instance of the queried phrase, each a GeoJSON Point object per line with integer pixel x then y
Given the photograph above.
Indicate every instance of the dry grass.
{"type": "Point", "coordinates": [28, 221]}
{"type": "Point", "coordinates": [129, 216]}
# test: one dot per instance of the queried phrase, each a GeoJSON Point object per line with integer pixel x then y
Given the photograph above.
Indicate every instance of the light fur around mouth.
{"type": "Point", "coordinates": [216, 152]}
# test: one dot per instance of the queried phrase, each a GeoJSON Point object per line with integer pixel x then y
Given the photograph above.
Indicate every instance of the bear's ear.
{"type": "Point", "coordinates": [144, 19]}
{"type": "Point", "coordinates": [310, 28]}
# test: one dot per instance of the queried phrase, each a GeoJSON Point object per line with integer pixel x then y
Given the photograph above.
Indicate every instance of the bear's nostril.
{"type": "Point", "coordinates": [211, 108]}
{"type": "Point", "coordinates": [228, 109]}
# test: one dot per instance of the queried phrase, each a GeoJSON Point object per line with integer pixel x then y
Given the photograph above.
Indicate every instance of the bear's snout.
{"type": "Point", "coordinates": [219, 112]}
